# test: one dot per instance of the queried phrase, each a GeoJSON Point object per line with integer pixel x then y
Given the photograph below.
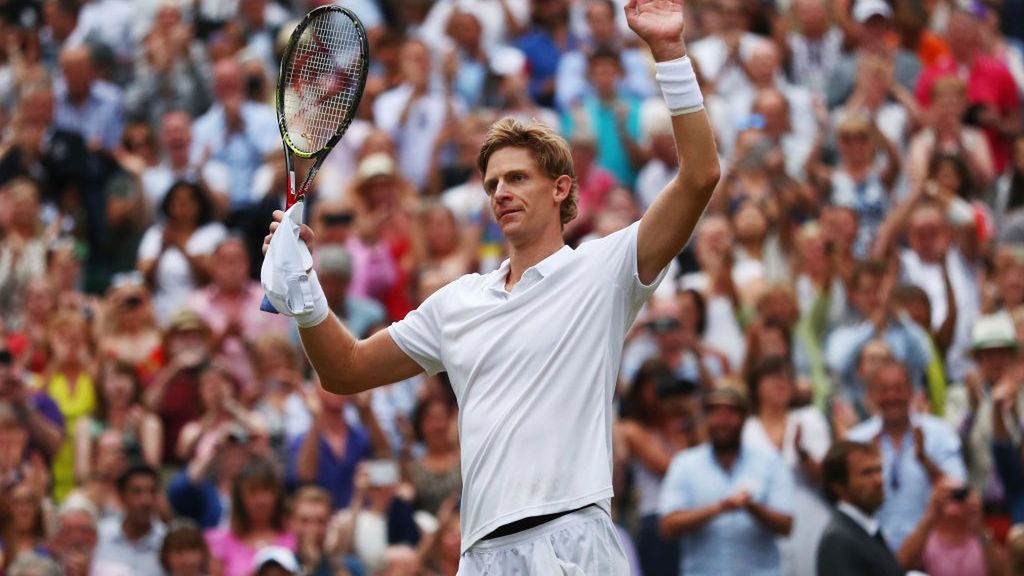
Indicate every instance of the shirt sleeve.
{"type": "Point", "coordinates": [945, 450]}
{"type": "Point", "coordinates": [419, 333]}
{"type": "Point", "coordinates": [617, 253]}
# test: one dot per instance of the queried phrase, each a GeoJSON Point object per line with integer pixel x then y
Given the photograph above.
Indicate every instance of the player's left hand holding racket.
{"type": "Point", "coordinates": [323, 72]}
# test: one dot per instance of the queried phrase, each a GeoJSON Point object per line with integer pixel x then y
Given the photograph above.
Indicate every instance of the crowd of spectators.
{"type": "Point", "coordinates": [858, 276]}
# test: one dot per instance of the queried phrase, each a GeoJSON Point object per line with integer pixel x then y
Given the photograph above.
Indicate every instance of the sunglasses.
{"type": "Point", "coordinates": [338, 218]}
{"type": "Point", "coordinates": [132, 302]}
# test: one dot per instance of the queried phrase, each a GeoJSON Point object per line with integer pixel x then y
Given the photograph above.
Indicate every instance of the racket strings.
{"type": "Point", "coordinates": [322, 81]}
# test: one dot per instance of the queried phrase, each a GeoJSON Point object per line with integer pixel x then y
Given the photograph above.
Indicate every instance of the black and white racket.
{"type": "Point", "coordinates": [323, 72]}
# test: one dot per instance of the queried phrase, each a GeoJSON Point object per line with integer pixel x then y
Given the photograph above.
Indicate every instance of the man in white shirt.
{"type": "Point", "coordinates": [533, 348]}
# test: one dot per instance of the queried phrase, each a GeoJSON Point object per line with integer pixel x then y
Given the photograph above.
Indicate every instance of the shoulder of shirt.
{"type": "Point", "coordinates": [865, 430]}
{"type": "Point", "coordinates": [692, 455]}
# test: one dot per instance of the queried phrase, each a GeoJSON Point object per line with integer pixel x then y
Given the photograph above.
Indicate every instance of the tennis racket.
{"type": "Point", "coordinates": [323, 72]}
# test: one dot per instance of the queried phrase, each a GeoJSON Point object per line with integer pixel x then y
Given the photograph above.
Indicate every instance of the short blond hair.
{"type": "Point", "coordinates": [549, 150]}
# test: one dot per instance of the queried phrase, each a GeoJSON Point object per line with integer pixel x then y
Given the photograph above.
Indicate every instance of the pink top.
{"type": "Point", "coordinates": [943, 558]}
{"type": "Point", "coordinates": [237, 556]}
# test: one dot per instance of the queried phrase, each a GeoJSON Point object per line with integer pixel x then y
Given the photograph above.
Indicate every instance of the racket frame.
{"type": "Point", "coordinates": [296, 195]}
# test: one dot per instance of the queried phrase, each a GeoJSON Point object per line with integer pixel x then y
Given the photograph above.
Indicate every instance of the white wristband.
{"type": "Point", "coordinates": [679, 86]}
{"type": "Point", "coordinates": [316, 309]}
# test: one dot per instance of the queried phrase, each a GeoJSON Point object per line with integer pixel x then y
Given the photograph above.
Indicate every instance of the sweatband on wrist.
{"type": "Point", "coordinates": [679, 86]}
{"type": "Point", "coordinates": [316, 309]}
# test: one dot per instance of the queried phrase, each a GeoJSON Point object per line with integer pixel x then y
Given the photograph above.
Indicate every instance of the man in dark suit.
{"type": "Point", "coordinates": [853, 543]}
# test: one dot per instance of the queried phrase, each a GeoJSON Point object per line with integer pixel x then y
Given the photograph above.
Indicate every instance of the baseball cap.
{"type": "Point", "coordinates": [726, 395]}
{"type": "Point", "coordinates": [186, 319]}
{"type": "Point", "coordinates": [375, 166]}
{"type": "Point", "coordinates": [994, 331]}
{"type": "Point", "coordinates": [864, 10]}
{"type": "Point", "coordinates": [279, 555]}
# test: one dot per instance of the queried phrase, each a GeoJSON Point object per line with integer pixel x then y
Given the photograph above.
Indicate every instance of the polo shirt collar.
{"type": "Point", "coordinates": [543, 268]}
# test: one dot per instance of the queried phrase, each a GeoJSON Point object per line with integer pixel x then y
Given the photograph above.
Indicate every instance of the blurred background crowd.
{"type": "Point", "coordinates": [859, 274]}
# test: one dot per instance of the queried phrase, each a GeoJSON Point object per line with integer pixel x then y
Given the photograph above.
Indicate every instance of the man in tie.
{"type": "Point", "coordinates": [853, 543]}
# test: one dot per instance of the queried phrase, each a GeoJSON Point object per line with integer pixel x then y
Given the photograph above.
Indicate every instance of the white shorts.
{"type": "Point", "coordinates": [580, 543]}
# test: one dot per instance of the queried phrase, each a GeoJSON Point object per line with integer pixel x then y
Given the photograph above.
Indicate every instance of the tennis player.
{"type": "Point", "coordinates": [533, 348]}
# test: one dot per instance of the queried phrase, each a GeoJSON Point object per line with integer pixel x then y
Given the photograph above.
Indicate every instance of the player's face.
{"type": "Point", "coordinates": [524, 200]}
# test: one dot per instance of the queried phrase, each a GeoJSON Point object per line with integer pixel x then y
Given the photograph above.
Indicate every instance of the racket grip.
{"type": "Point", "coordinates": [266, 306]}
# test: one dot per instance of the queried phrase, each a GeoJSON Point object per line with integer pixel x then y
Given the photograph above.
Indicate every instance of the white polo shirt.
{"type": "Point", "coordinates": [534, 371]}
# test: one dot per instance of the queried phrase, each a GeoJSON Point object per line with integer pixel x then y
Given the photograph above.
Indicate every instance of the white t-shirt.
{"type": "Point", "coordinates": [174, 281]}
{"type": "Point", "coordinates": [534, 370]}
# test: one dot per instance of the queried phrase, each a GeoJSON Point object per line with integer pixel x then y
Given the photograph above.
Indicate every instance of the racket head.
{"type": "Point", "coordinates": [321, 80]}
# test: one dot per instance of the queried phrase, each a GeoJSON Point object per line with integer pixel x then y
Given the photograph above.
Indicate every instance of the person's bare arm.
{"type": "Point", "coordinates": [307, 462]}
{"type": "Point", "coordinates": [775, 521]}
{"type": "Point", "coordinates": [643, 446]}
{"type": "Point", "coordinates": [346, 365]}
{"type": "Point", "coordinates": [683, 522]}
{"type": "Point", "coordinates": [668, 223]}
{"type": "Point", "coordinates": [83, 449]}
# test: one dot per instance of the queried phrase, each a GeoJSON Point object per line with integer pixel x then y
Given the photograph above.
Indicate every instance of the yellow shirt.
{"type": "Point", "coordinates": [74, 402]}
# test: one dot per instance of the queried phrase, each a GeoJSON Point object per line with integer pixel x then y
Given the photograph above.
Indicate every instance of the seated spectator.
{"type": "Point", "coordinates": [226, 305]}
{"type": "Point", "coordinates": [329, 453]}
{"type": "Point", "coordinates": [380, 515]}
{"type": "Point", "coordinates": [652, 430]}
{"type": "Point", "coordinates": [73, 544]}
{"type": "Point", "coordinates": [334, 271]}
{"type": "Point", "coordinates": [310, 513]}
{"type": "Point", "coordinates": [853, 543]}
{"type": "Point", "coordinates": [184, 551]}
{"type": "Point", "coordinates": [946, 133]}
{"type": "Point", "coordinates": [174, 254]}
{"type": "Point", "coordinates": [972, 409]}
{"type": "Point", "coordinates": [118, 408]}
{"type": "Point", "coordinates": [70, 382]}
{"type": "Point", "coordinates": [23, 527]}
{"type": "Point", "coordinates": [100, 487]}
{"type": "Point", "coordinates": [951, 539]}
{"type": "Point", "coordinates": [1007, 425]}
{"type": "Point", "coordinates": [201, 491]}
{"type": "Point", "coordinates": [257, 520]}
{"type": "Point", "coordinates": [436, 473]}
{"type": "Point", "coordinates": [801, 437]}
{"type": "Point", "coordinates": [221, 410]}
{"type": "Point", "coordinates": [134, 539]}
{"type": "Point", "coordinates": [724, 495]}
{"type": "Point", "coordinates": [873, 25]}
{"type": "Point", "coordinates": [612, 118]}
{"type": "Point", "coordinates": [87, 105]}
{"type": "Point", "coordinates": [23, 245]}
{"type": "Point", "coordinates": [281, 403]}
{"type": "Point", "coordinates": [870, 293]}
{"type": "Point", "coordinates": [858, 181]}
{"type": "Point", "coordinates": [918, 450]}
{"type": "Point", "coordinates": [173, 392]}
{"type": "Point", "coordinates": [175, 163]}
{"type": "Point", "coordinates": [990, 87]}
{"type": "Point", "coordinates": [129, 333]}
{"type": "Point", "coordinates": [171, 73]}
{"type": "Point", "coordinates": [32, 414]}
{"type": "Point", "coordinates": [235, 132]}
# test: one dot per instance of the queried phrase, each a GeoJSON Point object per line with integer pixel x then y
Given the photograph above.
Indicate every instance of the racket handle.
{"type": "Point", "coordinates": [266, 306]}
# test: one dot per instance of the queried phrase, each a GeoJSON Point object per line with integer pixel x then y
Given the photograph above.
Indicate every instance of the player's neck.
{"type": "Point", "coordinates": [527, 255]}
